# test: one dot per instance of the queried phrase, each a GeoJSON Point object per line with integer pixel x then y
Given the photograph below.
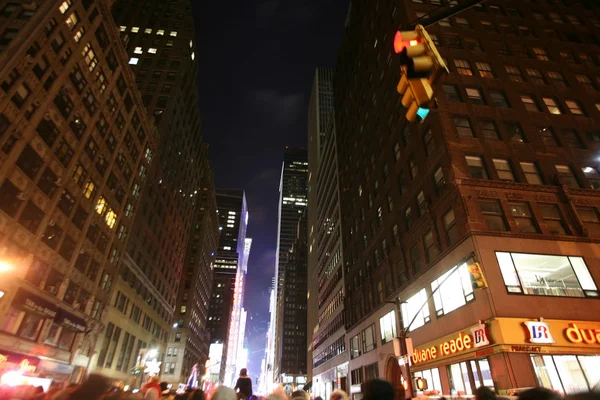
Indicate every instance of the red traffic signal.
{"type": "Point", "coordinates": [405, 39]}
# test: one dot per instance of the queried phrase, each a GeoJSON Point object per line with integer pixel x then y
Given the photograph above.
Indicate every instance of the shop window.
{"type": "Point", "coordinates": [546, 275]}
{"type": "Point", "coordinates": [462, 374]}
{"type": "Point", "coordinates": [567, 374]}
{"type": "Point", "coordinates": [434, 384]}
{"type": "Point", "coordinates": [454, 289]}
{"type": "Point", "coordinates": [387, 326]}
{"type": "Point", "coordinates": [416, 307]}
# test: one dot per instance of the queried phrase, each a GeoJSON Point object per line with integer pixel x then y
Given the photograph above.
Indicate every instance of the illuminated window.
{"type": "Point", "coordinates": [463, 67]}
{"type": "Point", "coordinates": [173, 33]}
{"type": "Point", "coordinates": [110, 218]}
{"type": "Point", "coordinates": [193, 56]}
{"type": "Point", "coordinates": [89, 189]}
{"type": "Point", "coordinates": [135, 29]}
{"type": "Point", "coordinates": [546, 275]}
{"type": "Point", "coordinates": [416, 307]}
{"type": "Point", "coordinates": [148, 30]}
{"type": "Point", "coordinates": [191, 44]}
{"type": "Point", "coordinates": [160, 32]}
{"type": "Point", "coordinates": [574, 107]}
{"type": "Point", "coordinates": [152, 50]}
{"type": "Point", "coordinates": [122, 28]}
{"type": "Point", "coordinates": [72, 20]}
{"type": "Point", "coordinates": [65, 5]}
{"type": "Point", "coordinates": [454, 290]}
{"type": "Point", "coordinates": [78, 35]}
{"type": "Point", "coordinates": [101, 206]}
{"type": "Point", "coordinates": [138, 50]}
{"type": "Point", "coordinates": [387, 325]}
{"type": "Point", "coordinates": [134, 60]}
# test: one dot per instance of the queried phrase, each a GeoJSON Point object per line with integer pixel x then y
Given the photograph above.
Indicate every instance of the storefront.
{"type": "Point", "coordinates": [509, 353]}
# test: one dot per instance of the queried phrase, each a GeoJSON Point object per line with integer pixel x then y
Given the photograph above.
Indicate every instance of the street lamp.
{"type": "Point", "coordinates": [5, 267]}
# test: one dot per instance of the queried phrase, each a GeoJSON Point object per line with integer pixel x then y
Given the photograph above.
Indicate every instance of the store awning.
{"type": "Point", "coordinates": [34, 303]}
{"type": "Point", "coordinates": [70, 321]}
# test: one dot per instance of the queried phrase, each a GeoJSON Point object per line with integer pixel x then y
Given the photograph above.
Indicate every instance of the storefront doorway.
{"type": "Point", "coordinates": [467, 376]}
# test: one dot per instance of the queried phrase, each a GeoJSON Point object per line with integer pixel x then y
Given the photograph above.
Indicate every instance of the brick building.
{"type": "Point", "coordinates": [503, 174]}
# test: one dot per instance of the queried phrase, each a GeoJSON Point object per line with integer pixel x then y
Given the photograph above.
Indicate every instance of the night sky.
{"type": "Point", "coordinates": [256, 66]}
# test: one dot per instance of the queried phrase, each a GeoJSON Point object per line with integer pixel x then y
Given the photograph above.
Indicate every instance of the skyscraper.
{"type": "Point", "coordinates": [291, 331]}
{"type": "Point", "coordinates": [191, 341]}
{"type": "Point", "coordinates": [498, 183]}
{"type": "Point", "coordinates": [158, 38]}
{"type": "Point", "coordinates": [326, 369]}
{"type": "Point", "coordinates": [293, 196]}
{"type": "Point", "coordinates": [75, 149]}
{"type": "Point", "coordinates": [228, 283]}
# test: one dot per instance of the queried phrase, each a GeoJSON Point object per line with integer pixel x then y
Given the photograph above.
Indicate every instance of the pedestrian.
{"type": "Point", "coordinates": [92, 389]}
{"type": "Point", "coordinates": [338, 394]}
{"type": "Point", "coordinates": [244, 385]}
{"type": "Point", "coordinates": [484, 393]}
{"type": "Point", "coordinates": [300, 395]}
{"type": "Point", "coordinates": [197, 394]}
{"type": "Point", "coordinates": [151, 390]}
{"type": "Point", "coordinates": [377, 389]}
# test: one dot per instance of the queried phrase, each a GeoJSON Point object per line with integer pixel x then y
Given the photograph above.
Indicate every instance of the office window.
{"type": "Point", "coordinates": [431, 248]}
{"type": "Point", "coordinates": [540, 54]}
{"type": "Point", "coordinates": [557, 79]}
{"type": "Point", "coordinates": [451, 93]}
{"type": "Point", "coordinates": [498, 99]}
{"type": "Point", "coordinates": [472, 44]}
{"type": "Point", "coordinates": [428, 142]}
{"type": "Point", "coordinates": [524, 30]}
{"type": "Point", "coordinates": [502, 48]}
{"type": "Point", "coordinates": [488, 26]}
{"type": "Point", "coordinates": [574, 107]}
{"type": "Point", "coordinates": [463, 127]}
{"type": "Point", "coordinates": [476, 167]}
{"type": "Point", "coordinates": [452, 41]}
{"type": "Point", "coordinates": [514, 73]}
{"type": "Point", "coordinates": [529, 103]}
{"type": "Point", "coordinates": [553, 218]}
{"type": "Point", "coordinates": [493, 215]}
{"type": "Point", "coordinates": [532, 174]}
{"type": "Point", "coordinates": [567, 56]}
{"type": "Point", "coordinates": [566, 176]}
{"type": "Point", "coordinates": [450, 226]}
{"type": "Point", "coordinates": [586, 82]}
{"type": "Point", "coordinates": [387, 327]}
{"type": "Point", "coordinates": [421, 203]}
{"type": "Point", "coordinates": [453, 289]}
{"type": "Point", "coordinates": [463, 67]}
{"type": "Point", "coordinates": [568, 373]}
{"type": "Point", "coordinates": [485, 69]}
{"type": "Point", "coordinates": [552, 105]}
{"type": "Point", "coordinates": [521, 213]}
{"type": "Point", "coordinates": [547, 135]}
{"type": "Point", "coordinates": [505, 172]}
{"type": "Point", "coordinates": [489, 130]}
{"type": "Point", "coordinates": [414, 170]}
{"type": "Point", "coordinates": [475, 96]}
{"type": "Point", "coordinates": [546, 275]}
{"type": "Point", "coordinates": [571, 139]}
{"type": "Point", "coordinates": [368, 339]}
{"type": "Point", "coordinates": [413, 308]}
{"type": "Point", "coordinates": [514, 131]}
{"type": "Point", "coordinates": [438, 179]}
{"type": "Point", "coordinates": [590, 219]}
{"type": "Point", "coordinates": [535, 76]}
{"type": "Point", "coordinates": [408, 217]}
{"type": "Point", "coordinates": [593, 177]}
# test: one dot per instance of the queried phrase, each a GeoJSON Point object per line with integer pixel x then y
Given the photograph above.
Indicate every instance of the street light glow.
{"type": "Point", "coordinates": [152, 353]}
{"type": "Point", "coordinates": [5, 267]}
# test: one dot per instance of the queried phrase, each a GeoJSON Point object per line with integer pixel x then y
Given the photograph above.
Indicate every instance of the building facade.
{"type": "Point", "coordinates": [190, 344]}
{"type": "Point", "coordinates": [76, 145]}
{"type": "Point", "coordinates": [158, 38]}
{"type": "Point", "coordinates": [293, 196]}
{"type": "Point", "coordinates": [502, 176]}
{"type": "Point", "coordinates": [327, 370]}
{"type": "Point", "coordinates": [292, 329]}
{"type": "Point", "coordinates": [228, 279]}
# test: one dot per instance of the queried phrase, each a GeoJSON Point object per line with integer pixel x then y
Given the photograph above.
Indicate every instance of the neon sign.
{"type": "Point", "coordinates": [23, 366]}
{"type": "Point", "coordinates": [576, 334]}
{"type": "Point", "coordinates": [460, 343]}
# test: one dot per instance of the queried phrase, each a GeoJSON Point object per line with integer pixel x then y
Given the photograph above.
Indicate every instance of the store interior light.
{"type": "Point", "coordinates": [2, 293]}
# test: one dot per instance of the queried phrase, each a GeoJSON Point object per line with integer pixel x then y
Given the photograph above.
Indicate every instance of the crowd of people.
{"type": "Point", "coordinates": [97, 387]}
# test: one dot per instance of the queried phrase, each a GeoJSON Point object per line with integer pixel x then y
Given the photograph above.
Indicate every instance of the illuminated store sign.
{"type": "Point", "coordinates": [539, 332]}
{"type": "Point", "coordinates": [461, 342]}
{"type": "Point", "coordinates": [575, 334]}
{"type": "Point", "coordinates": [15, 362]}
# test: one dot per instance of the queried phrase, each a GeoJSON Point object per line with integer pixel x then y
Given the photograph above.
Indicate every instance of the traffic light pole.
{"type": "Point", "coordinates": [445, 13]}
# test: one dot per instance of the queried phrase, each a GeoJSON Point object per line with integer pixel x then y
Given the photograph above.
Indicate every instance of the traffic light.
{"type": "Point", "coordinates": [477, 279]}
{"type": "Point", "coordinates": [421, 384]}
{"type": "Point", "coordinates": [422, 69]}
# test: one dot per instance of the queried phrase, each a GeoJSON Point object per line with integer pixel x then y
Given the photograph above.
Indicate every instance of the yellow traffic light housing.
{"type": "Point", "coordinates": [477, 279]}
{"type": "Point", "coordinates": [421, 384]}
{"type": "Point", "coordinates": [422, 68]}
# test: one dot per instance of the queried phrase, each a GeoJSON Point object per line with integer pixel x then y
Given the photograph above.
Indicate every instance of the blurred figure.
{"type": "Point", "coordinates": [197, 394]}
{"type": "Point", "coordinates": [377, 389]}
{"type": "Point", "coordinates": [92, 389]}
{"type": "Point", "coordinates": [539, 393]}
{"type": "Point", "coordinates": [192, 382]}
{"type": "Point", "coordinates": [151, 390]}
{"type": "Point", "coordinates": [338, 394]}
{"type": "Point", "coordinates": [63, 394]}
{"type": "Point", "coordinates": [38, 393]}
{"type": "Point", "coordinates": [278, 394]}
{"type": "Point", "coordinates": [300, 395]}
{"type": "Point", "coordinates": [485, 393]}
{"type": "Point", "coordinates": [244, 385]}
{"type": "Point", "coordinates": [585, 396]}
{"type": "Point", "coordinates": [165, 390]}
{"type": "Point", "coordinates": [223, 393]}
{"type": "Point", "coordinates": [318, 398]}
